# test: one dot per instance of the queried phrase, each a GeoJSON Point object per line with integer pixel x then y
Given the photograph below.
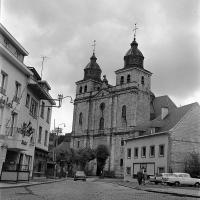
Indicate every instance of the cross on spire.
{"type": "Point", "coordinates": [134, 30]}
{"type": "Point", "coordinates": [94, 45]}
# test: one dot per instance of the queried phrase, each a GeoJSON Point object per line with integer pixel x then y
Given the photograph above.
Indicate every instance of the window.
{"type": "Point", "coordinates": [4, 79]}
{"type": "Point", "coordinates": [33, 108]}
{"type": "Point", "coordinates": [143, 152]}
{"type": "Point", "coordinates": [80, 90]}
{"type": "Point", "coordinates": [121, 163]}
{"type": "Point", "coordinates": [161, 170]}
{"type": "Point", "coordinates": [161, 150]}
{"type": "Point", "coordinates": [129, 153]}
{"type": "Point", "coordinates": [124, 113]}
{"type": "Point", "coordinates": [27, 100]}
{"type": "Point", "coordinates": [101, 123]}
{"type": "Point", "coordinates": [13, 123]}
{"type": "Point", "coordinates": [122, 142]}
{"type": "Point", "coordinates": [128, 170]}
{"type": "Point", "coordinates": [85, 88]}
{"type": "Point", "coordinates": [6, 42]}
{"type": "Point", "coordinates": [80, 118]}
{"type": "Point", "coordinates": [17, 92]}
{"type": "Point", "coordinates": [128, 78]}
{"type": "Point", "coordinates": [152, 151]}
{"type": "Point", "coordinates": [78, 144]}
{"type": "Point", "coordinates": [42, 110]}
{"type": "Point", "coordinates": [136, 152]}
{"type": "Point", "coordinates": [121, 80]}
{"type": "Point", "coordinates": [48, 115]}
{"type": "Point", "coordinates": [102, 106]}
{"type": "Point", "coordinates": [45, 139]}
{"type": "Point", "coordinates": [40, 135]}
{"type": "Point", "coordinates": [142, 80]}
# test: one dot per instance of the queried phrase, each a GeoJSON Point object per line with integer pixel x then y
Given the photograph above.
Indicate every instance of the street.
{"type": "Point", "coordinates": [78, 190]}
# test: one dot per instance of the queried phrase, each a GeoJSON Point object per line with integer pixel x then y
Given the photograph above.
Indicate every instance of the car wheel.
{"type": "Point", "coordinates": [197, 184]}
{"type": "Point", "coordinates": [177, 183]}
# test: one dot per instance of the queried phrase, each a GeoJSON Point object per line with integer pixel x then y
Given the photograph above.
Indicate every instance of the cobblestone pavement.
{"type": "Point", "coordinates": [78, 190]}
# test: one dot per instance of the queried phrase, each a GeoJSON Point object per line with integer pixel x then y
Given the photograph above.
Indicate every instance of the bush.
{"type": "Point", "coordinates": [109, 174]}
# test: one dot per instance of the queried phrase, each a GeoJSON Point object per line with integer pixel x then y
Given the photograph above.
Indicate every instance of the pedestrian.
{"type": "Point", "coordinates": [140, 176]}
{"type": "Point", "coordinates": [144, 177]}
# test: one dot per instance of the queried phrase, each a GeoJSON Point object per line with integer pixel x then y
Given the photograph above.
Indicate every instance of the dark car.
{"type": "Point", "coordinates": [80, 175]}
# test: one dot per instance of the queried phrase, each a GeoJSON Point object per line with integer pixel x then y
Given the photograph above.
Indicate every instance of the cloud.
{"type": "Point", "coordinates": [63, 31]}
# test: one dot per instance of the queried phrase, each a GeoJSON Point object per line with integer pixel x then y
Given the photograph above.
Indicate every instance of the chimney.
{"type": "Point", "coordinates": [164, 112]}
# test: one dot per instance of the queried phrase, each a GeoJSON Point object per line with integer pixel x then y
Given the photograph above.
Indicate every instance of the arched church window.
{"type": "Point", "coordinates": [80, 90]}
{"type": "Point", "coordinates": [142, 80]}
{"type": "Point", "coordinates": [128, 78]}
{"type": "Point", "coordinates": [85, 88]}
{"type": "Point", "coordinates": [102, 106]}
{"type": "Point", "coordinates": [124, 112]}
{"type": "Point", "coordinates": [121, 80]}
{"type": "Point", "coordinates": [81, 118]}
{"type": "Point", "coordinates": [101, 123]}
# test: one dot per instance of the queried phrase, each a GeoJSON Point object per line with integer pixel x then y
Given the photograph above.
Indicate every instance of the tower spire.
{"type": "Point", "coordinates": [94, 46]}
{"type": "Point", "coordinates": [134, 30]}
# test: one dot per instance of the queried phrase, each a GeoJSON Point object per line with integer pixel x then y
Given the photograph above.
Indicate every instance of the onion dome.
{"type": "Point", "coordinates": [92, 70]}
{"type": "Point", "coordinates": [133, 57]}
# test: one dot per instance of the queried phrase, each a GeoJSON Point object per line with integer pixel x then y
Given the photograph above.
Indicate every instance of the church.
{"type": "Point", "coordinates": [110, 114]}
{"type": "Point", "coordinates": [107, 114]}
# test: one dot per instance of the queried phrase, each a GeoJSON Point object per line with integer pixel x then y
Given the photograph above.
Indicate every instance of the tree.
{"type": "Point", "coordinates": [84, 156]}
{"type": "Point", "coordinates": [102, 154]}
{"type": "Point", "coordinates": [192, 164]}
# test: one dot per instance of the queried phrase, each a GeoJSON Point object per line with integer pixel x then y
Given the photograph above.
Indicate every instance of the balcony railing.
{"type": "Point", "coordinates": [3, 91]}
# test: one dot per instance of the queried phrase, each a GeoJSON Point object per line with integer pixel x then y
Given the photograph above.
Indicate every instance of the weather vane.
{"type": "Point", "coordinates": [94, 45]}
{"type": "Point", "coordinates": [134, 30]}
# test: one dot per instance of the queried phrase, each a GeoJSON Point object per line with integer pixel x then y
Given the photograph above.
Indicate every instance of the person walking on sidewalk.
{"type": "Point", "coordinates": [140, 176]}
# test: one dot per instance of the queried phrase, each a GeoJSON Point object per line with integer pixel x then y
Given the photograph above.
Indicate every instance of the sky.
{"type": "Point", "coordinates": [168, 35]}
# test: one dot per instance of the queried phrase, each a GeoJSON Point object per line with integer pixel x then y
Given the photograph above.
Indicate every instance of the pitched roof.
{"type": "Point", "coordinates": [173, 117]}
{"type": "Point", "coordinates": [162, 101]}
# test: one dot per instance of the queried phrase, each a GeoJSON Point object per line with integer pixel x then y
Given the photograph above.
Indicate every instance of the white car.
{"type": "Point", "coordinates": [160, 178]}
{"type": "Point", "coordinates": [182, 179]}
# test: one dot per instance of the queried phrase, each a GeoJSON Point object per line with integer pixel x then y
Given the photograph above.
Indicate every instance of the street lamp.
{"type": "Point", "coordinates": [57, 131]}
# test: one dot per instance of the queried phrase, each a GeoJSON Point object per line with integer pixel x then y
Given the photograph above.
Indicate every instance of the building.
{"type": "Point", "coordinates": [107, 114]}
{"type": "Point", "coordinates": [23, 97]}
{"type": "Point", "coordinates": [164, 144]}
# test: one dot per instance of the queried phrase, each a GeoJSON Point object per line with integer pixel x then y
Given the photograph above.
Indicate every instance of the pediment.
{"type": "Point", "coordinates": [102, 93]}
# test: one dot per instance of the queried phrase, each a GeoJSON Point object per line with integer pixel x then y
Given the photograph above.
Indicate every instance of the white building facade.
{"type": "Point", "coordinates": [19, 106]}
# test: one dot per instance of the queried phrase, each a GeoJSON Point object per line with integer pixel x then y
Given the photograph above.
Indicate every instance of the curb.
{"type": "Point", "coordinates": [32, 184]}
{"type": "Point", "coordinates": [161, 192]}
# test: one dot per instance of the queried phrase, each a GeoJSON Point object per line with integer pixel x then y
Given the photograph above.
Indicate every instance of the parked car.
{"type": "Point", "coordinates": [159, 178]}
{"type": "Point", "coordinates": [182, 179]}
{"type": "Point", "coordinates": [80, 175]}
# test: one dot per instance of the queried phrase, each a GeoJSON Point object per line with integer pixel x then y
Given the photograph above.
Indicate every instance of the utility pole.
{"type": "Point", "coordinates": [43, 59]}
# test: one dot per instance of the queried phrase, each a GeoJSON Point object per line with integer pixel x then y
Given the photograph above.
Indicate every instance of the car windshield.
{"type": "Point", "coordinates": [80, 173]}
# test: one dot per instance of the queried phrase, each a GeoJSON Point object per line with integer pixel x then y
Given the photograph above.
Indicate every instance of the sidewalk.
{"type": "Point", "coordinates": [4, 185]}
{"type": "Point", "coordinates": [183, 192]}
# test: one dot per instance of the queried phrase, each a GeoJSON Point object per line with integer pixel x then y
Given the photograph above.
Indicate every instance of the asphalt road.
{"type": "Point", "coordinates": [79, 190]}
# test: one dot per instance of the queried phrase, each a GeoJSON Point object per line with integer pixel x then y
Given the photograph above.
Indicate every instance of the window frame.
{"type": "Point", "coordinates": [39, 135]}
{"type": "Point", "coordinates": [142, 148]}
{"type": "Point", "coordinates": [128, 79]}
{"type": "Point", "coordinates": [160, 155]}
{"type": "Point", "coordinates": [128, 153]}
{"type": "Point", "coordinates": [152, 155]}
{"type": "Point", "coordinates": [121, 80]}
{"type": "Point", "coordinates": [136, 148]}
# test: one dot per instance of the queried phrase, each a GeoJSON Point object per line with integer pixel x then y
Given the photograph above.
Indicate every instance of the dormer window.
{"type": "Point", "coordinates": [122, 80]}
{"type": "Point", "coordinates": [128, 78]}
{"type": "Point", "coordinates": [85, 88]}
{"type": "Point", "coordinates": [80, 90]}
{"type": "Point", "coordinates": [142, 80]}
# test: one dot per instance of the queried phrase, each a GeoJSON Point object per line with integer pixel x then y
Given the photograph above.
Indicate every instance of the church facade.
{"type": "Point", "coordinates": [107, 114]}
